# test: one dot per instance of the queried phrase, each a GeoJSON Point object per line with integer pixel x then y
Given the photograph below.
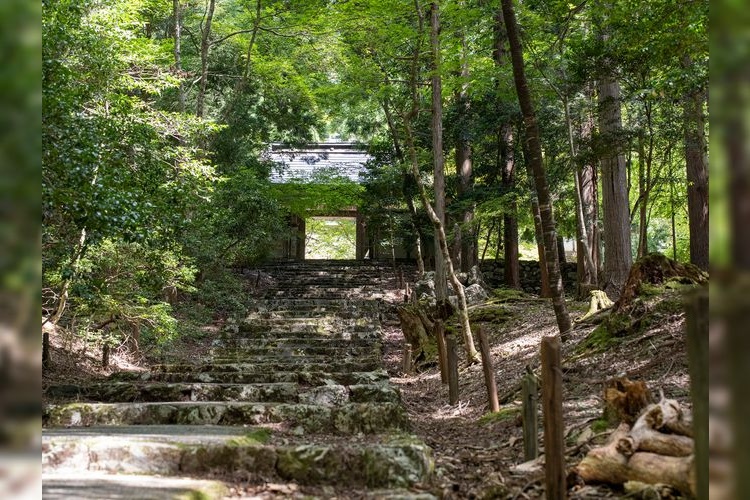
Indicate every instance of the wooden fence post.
{"type": "Point", "coordinates": [442, 350]}
{"type": "Point", "coordinates": [407, 362]}
{"type": "Point", "coordinates": [554, 438]}
{"type": "Point", "coordinates": [696, 309]}
{"type": "Point", "coordinates": [452, 370]}
{"type": "Point", "coordinates": [529, 390]}
{"type": "Point", "coordinates": [489, 373]}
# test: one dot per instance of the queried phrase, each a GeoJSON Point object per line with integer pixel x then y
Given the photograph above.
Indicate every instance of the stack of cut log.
{"type": "Point", "coordinates": [657, 449]}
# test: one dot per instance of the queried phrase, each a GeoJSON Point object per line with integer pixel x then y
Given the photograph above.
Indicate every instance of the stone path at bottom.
{"type": "Point", "coordinates": [295, 394]}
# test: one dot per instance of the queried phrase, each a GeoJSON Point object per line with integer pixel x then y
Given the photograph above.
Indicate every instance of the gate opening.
{"type": "Point", "coordinates": [333, 238]}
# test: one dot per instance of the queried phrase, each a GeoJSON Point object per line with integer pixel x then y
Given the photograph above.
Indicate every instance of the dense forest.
{"type": "Point", "coordinates": [157, 118]}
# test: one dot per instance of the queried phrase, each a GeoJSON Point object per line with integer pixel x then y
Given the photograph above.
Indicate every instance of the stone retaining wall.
{"type": "Point", "coordinates": [531, 277]}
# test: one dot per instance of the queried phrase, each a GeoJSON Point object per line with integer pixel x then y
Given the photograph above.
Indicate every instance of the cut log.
{"type": "Point", "coordinates": [644, 453]}
{"type": "Point", "coordinates": [646, 436]}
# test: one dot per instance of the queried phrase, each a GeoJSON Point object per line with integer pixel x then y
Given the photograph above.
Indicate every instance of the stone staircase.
{"type": "Point", "coordinates": [295, 393]}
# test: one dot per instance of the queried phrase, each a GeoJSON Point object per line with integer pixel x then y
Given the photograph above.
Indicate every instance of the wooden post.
{"type": "Point", "coordinates": [554, 438]}
{"type": "Point", "coordinates": [529, 390]}
{"type": "Point", "coordinates": [442, 350]}
{"type": "Point", "coordinates": [46, 357]}
{"type": "Point", "coordinates": [452, 370]}
{"type": "Point", "coordinates": [696, 309]}
{"type": "Point", "coordinates": [406, 367]}
{"type": "Point", "coordinates": [105, 355]}
{"type": "Point", "coordinates": [489, 372]}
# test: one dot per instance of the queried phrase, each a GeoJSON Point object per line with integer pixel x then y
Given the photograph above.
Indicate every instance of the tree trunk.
{"type": "Point", "coordinates": [617, 246]}
{"type": "Point", "coordinates": [177, 12]}
{"type": "Point", "coordinates": [585, 268]}
{"type": "Point", "coordinates": [590, 192]}
{"type": "Point", "coordinates": [205, 48]}
{"type": "Point", "coordinates": [407, 180]}
{"type": "Point", "coordinates": [441, 288]}
{"type": "Point", "coordinates": [642, 193]}
{"type": "Point", "coordinates": [468, 253]}
{"type": "Point", "coordinates": [540, 176]}
{"type": "Point", "coordinates": [507, 164]}
{"type": "Point", "coordinates": [511, 271]}
{"type": "Point", "coordinates": [615, 181]}
{"type": "Point", "coordinates": [545, 289]}
{"type": "Point", "coordinates": [697, 178]}
{"type": "Point", "coordinates": [471, 351]}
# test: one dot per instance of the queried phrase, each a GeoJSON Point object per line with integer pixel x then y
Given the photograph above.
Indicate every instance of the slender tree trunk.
{"type": "Point", "coordinates": [511, 271]}
{"type": "Point", "coordinates": [642, 199]}
{"type": "Point", "coordinates": [697, 178]}
{"type": "Point", "coordinates": [585, 264]}
{"type": "Point", "coordinates": [507, 165]}
{"type": "Point", "coordinates": [590, 189]}
{"type": "Point", "coordinates": [540, 176]}
{"type": "Point", "coordinates": [471, 352]}
{"type": "Point", "coordinates": [177, 12]}
{"type": "Point", "coordinates": [545, 289]}
{"type": "Point", "coordinates": [441, 288]}
{"type": "Point", "coordinates": [673, 221]}
{"type": "Point", "coordinates": [205, 49]}
{"type": "Point", "coordinates": [463, 312]}
{"type": "Point", "coordinates": [617, 246]}
{"type": "Point", "coordinates": [406, 181]}
{"type": "Point", "coordinates": [464, 166]}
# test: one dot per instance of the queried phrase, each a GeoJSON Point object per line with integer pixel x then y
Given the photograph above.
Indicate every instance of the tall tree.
{"type": "Point", "coordinates": [534, 145]}
{"type": "Point", "coordinates": [697, 174]}
{"type": "Point", "coordinates": [471, 352]}
{"type": "Point", "coordinates": [177, 13]}
{"type": "Point", "coordinates": [205, 49]}
{"type": "Point", "coordinates": [617, 247]}
{"type": "Point", "coordinates": [511, 265]}
{"type": "Point", "coordinates": [464, 167]}
{"type": "Point", "coordinates": [438, 160]}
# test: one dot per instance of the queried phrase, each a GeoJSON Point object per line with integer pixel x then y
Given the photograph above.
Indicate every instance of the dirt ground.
{"type": "Point", "coordinates": [477, 456]}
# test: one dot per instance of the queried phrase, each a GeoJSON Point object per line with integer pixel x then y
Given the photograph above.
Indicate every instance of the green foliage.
{"type": "Point", "coordinates": [330, 238]}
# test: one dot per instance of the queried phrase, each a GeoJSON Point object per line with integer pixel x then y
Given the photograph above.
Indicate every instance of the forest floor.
{"type": "Point", "coordinates": [477, 454]}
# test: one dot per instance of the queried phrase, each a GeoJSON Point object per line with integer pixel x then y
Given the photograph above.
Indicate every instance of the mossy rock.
{"type": "Point", "coordinates": [494, 313]}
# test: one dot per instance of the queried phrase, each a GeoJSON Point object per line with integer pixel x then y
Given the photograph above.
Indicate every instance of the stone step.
{"type": "Point", "coordinates": [299, 335]}
{"type": "Point", "coordinates": [249, 348]}
{"type": "Point", "coordinates": [303, 377]}
{"type": "Point", "coordinates": [260, 364]}
{"type": "Point", "coordinates": [312, 315]}
{"type": "Point", "coordinates": [375, 462]}
{"type": "Point", "coordinates": [350, 418]}
{"type": "Point", "coordinates": [279, 392]}
{"type": "Point", "coordinates": [324, 325]}
{"type": "Point", "coordinates": [298, 342]}
{"type": "Point", "coordinates": [106, 486]}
